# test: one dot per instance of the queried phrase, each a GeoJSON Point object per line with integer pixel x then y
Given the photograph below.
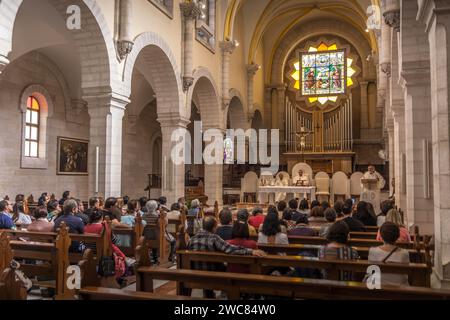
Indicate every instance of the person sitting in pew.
{"type": "Point", "coordinates": [80, 212]}
{"type": "Point", "coordinates": [301, 228]}
{"type": "Point", "coordinates": [270, 232]}
{"type": "Point", "coordinates": [353, 224]}
{"type": "Point", "coordinates": [330, 216]}
{"type": "Point", "coordinates": [96, 226]}
{"type": "Point", "coordinates": [337, 248]}
{"type": "Point", "coordinates": [287, 222]}
{"type": "Point", "coordinates": [5, 220]}
{"type": "Point", "coordinates": [389, 252]}
{"type": "Point", "coordinates": [18, 216]}
{"type": "Point", "coordinates": [94, 202]}
{"type": "Point", "coordinates": [72, 222]}
{"type": "Point", "coordinates": [257, 218]}
{"type": "Point", "coordinates": [395, 217]}
{"type": "Point", "coordinates": [385, 207]}
{"type": "Point", "coordinates": [207, 240]}
{"type": "Point", "coordinates": [241, 238]}
{"type": "Point", "coordinates": [53, 209]}
{"type": "Point", "coordinates": [365, 214]}
{"type": "Point", "coordinates": [242, 215]}
{"type": "Point", "coordinates": [142, 202]}
{"type": "Point", "coordinates": [224, 230]}
{"type": "Point", "coordinates": [317, 215]}
{"type": "Point", "coordinates": [281, 206]}
{"type": "Point", "coordinates": [338, 206]}
{"type": "Point", "coordinates": [113, 212]}
{"type": "Point", "coordinates": [292, 210]}
{"type": "Point", "coordinates": [130, 216]}
{"type": "Point", "coordinates": [303, 207]}
{"type": "Point", "coordinates": [175, 212]}
{"type": "Point", "coordinates": [40, 224]}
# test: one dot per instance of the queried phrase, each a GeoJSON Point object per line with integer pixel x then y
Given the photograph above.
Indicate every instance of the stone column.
{"type": "Point", "coordinates": [435, 14]}
{"type": "Point", "coordinates": [391, 152]}
{"type": "Point", "coordinates": [125, 42]}
{"type": "Point", "coordinates": [281, 97]}
{"type": "Point", "coordinates": [397, 106]}
{"type": "Point", "coordinates": [106, 112]}
{"type": "Point", "coordinates": [227, 48]}
{"type": "Point", "coordinates": [415, 80]}
{"type": "Point", "coordinates": [173, 172]}
{"type": "Point", "coordinates": [364, 109]}
{"type": "Point", "coordinates": [190, 12]}
{"type": "Point", "coordinates": [213, 178]}
{"type": "Point", "coordinates": [251, 72]}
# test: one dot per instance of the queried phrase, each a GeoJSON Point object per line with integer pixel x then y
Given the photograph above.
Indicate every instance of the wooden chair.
{"type": "Point", "coordinates": [340, 186]}
{"type": "Point", "coordinates": [249, 187]}
{"type": "Point", "coordinates": [355, 185]}
{"type": "Point", "coordinates": [322, 180]}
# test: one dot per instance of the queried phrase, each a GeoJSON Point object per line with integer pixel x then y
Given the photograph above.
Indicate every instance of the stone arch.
{"type": "Point", "coordinates": [236, 112]}
{"type": "Point", "coordinates": [98, 72]}
{"type": "Point", "coordinates": [305, 31]}
{"type": "Point", "coordinates": [204, 91]}
{"type": "Point", "coordinates": [161, 72]}
{"type": "Point", "coordinates": [257, 121]}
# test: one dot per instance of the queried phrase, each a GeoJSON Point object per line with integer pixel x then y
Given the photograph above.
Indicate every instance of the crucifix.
{"type": "Point", "coordinates": [302, 134]}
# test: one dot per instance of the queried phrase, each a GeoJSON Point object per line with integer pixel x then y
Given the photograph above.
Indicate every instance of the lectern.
{"type": "Point", "coordinates": [371, 192]}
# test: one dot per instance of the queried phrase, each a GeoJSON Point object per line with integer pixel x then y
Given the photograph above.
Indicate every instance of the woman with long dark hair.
{"type": "Point", "coordinates": [270, 232]}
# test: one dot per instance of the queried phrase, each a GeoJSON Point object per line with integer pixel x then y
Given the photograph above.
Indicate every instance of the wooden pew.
{"type": "Point", "coordinates": [50, 237]}
{"type": "Point", "coordinates": [101, 293]}
{"type": "Point", "coordinates": [10, 287]}
{"type": "Point", "coordinates": [351, 242]}
{"type": "Point", "coordinates": [235, 284]}
{"type": "Point", "coordinates": [134, 235]}
{"type": "Point", "coordinates": [417, 256]}
{"type": "Point", "coordinates": [419, 274]}
{"type": "Point", "coordinates": [54, 255]}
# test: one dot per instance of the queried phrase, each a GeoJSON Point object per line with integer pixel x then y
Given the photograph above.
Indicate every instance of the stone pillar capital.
{"type": "Point", "coordinates": [228, 46]}
{"type": "Point", "coordinates": [190, 10]}
{"type": "Point", "coordinates": [252, 69]}
{"type": "Point", "coordinates": [392, 14]}
{"type": "Point", "coordinates": [168, 120]}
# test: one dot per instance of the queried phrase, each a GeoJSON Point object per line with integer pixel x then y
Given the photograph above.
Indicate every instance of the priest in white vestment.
{"type": "Point", "coordinates": [369, 194]}
{"type": "Point", "coordinates": [302, 179]}
{"type": "Point", "coordinates": [281, 180]}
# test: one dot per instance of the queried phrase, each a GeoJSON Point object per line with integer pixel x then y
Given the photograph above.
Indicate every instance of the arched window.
{"type": "Point", "coordinates": [36, 106]}
{"type": "Point", "coordinates": [32, 123]}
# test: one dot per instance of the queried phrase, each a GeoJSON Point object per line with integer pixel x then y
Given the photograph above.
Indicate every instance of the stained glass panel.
{"type": "Point", "coordinates": [323, 73]}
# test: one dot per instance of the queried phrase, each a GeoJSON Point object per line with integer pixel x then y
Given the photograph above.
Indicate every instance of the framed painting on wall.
{"type": "Point", "coordinates": [72, 156]}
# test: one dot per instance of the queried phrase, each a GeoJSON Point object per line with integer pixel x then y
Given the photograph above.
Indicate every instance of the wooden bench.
{"type": "Point", "coordinates": [134, 234]}
{"type": "Point", "coordinates": [54, 259]}
{"type": "Point", "coordinates": [235, 284]}
{"type": "Point", "coordinates": [351, 242]}
{"type": "Point", "coordinates": [418, 273]}
{"type": "Point", "coordinates": [10, 287]}
{"type": "Point", "coordinates": [101, 293]}
{"type": "Point", "coordinates": [417, 256]}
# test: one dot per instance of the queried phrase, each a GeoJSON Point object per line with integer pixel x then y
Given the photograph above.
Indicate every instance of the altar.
{"type": "Point", "coordinates": [311, 190]}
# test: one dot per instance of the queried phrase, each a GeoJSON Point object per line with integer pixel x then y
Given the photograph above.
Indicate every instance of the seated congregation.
{"type": "Point", "coordinates": [255, 252]}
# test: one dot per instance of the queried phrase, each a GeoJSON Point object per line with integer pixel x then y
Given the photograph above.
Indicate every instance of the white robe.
{"type": "Point", "coordinates": [279, 196]}
{"type": "Point", "coordinates": [306, 183]}
{"type": "Point", "coordinates": [375, 175]}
